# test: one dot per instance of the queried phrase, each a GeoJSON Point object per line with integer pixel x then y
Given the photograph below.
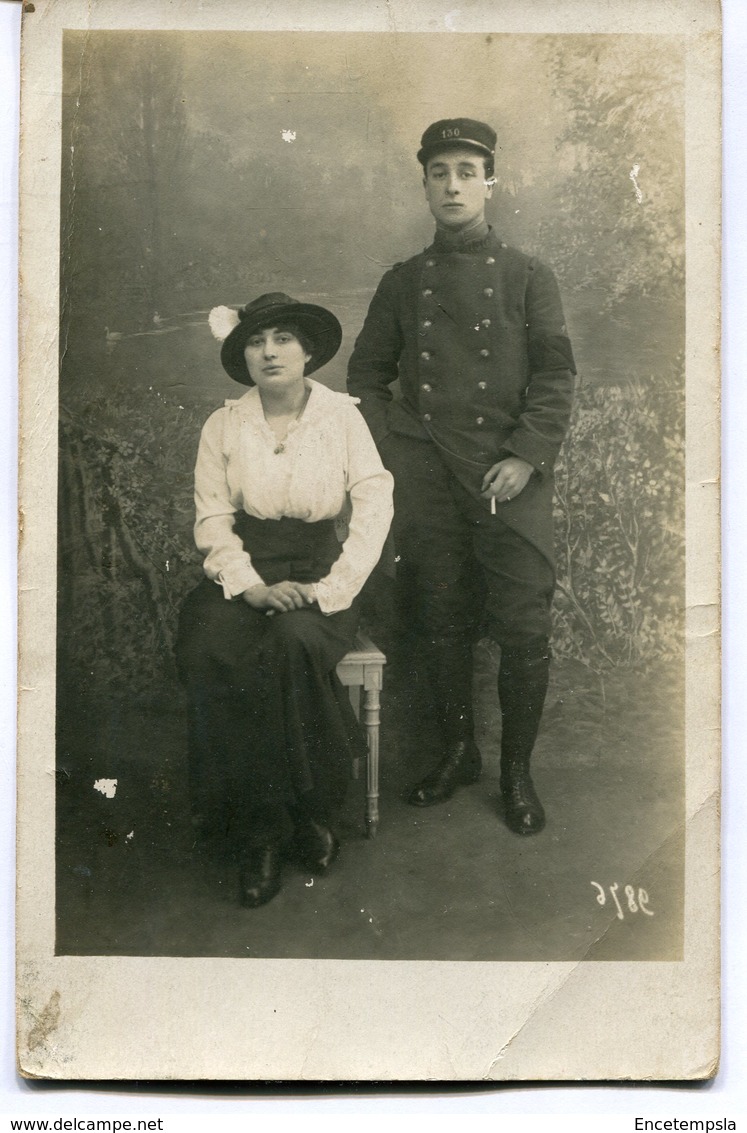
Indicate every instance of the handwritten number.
{"type": "Point", "coordinates": [639, 906]}
{"type": "Point", "coordinates": [613, 890]}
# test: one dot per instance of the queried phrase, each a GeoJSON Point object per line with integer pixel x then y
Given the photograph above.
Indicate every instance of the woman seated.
{"type": "Point", "coordinates": [271, 730]}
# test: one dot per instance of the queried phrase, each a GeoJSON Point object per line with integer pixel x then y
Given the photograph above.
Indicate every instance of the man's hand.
{"type": "Point", "coordinates": [506, 479]}
{"type": "Point", "coordinates": [281, 597]}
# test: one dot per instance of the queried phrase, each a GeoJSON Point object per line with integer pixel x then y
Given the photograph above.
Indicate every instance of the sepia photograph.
{"type": "Point", "coordinates": [523, 622]}
{"type": "Point", "coordinates": [367, 367]}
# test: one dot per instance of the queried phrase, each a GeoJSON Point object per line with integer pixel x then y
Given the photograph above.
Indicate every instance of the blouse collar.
{"type": "Point", "coordinates": [321, 403]}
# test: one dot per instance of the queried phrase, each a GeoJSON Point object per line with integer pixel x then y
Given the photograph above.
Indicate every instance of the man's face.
{"type": "Point", "coordinates": [456, 188]}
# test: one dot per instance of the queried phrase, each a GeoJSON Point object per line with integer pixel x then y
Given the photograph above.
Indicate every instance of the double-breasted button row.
{"type": "Point", "coordinates": [478, 420]}
{"type": "Point", "coordinates": [428, 388]}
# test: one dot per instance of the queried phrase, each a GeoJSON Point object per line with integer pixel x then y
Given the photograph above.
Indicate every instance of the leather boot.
{"type": "Point", "coordinates": [315, 846]}
{"type": "Point", "coordinates": [449, 666]}
{"type": "Point", "coordinates": [461, 765]}
{"type": "Point", "coordinates": [522, 687]}
{"type": "Point", "coordinates": [260, 875]}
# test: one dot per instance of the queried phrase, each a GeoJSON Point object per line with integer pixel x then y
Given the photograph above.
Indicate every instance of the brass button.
{"type": "Point", "coordinates": [488, 292]}
{"type": "Point", "coordinates": [490, 260]}
{"type": "Point", "coordinates": [426, 416]}
{"type": "Point", "coordinates": [484, 353]}
{"type": "Point", "coordinates": [427, 293]}
{"type": "Point", "coordinates": [427, 323]}
{"type": "Point", "coordinates": [425, 356]}
{"type": "Point", "coordinates": [482, 385]}
{"type": "Point", "coordinates": [486, 322]}
{"type": "Point", "coordinates": [426, 387]}
{"type": "Point", "coordinates": [480, 420]}
{"type": "Point", "coordinates": [430, 263]}
{"type": "Point", "coordinates": [504, 245]}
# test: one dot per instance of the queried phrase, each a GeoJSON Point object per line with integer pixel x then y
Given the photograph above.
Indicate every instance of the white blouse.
{"type": "Point", "coordinates": [329, 466]}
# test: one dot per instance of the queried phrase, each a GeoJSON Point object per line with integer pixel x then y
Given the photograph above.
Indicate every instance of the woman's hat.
{"type": "Point", "coordinates": [234, 328]}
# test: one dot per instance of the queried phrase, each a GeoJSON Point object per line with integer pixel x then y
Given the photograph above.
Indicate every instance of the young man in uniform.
{"type": "Point", "coordinates": [475, 332]}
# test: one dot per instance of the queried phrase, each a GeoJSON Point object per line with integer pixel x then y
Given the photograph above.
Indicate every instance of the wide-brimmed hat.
{"type": "Point", "coordinates": [450, 132]}
{"type": "Point", "coordinates": [235, 327]}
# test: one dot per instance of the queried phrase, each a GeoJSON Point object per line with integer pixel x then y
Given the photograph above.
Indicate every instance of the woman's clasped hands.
{"type": "Point", "coordinates": [281, 597]}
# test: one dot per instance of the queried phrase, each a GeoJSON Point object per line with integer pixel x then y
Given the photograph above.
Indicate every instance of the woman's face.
{"type": "Point", "coordinates": [275, 359]}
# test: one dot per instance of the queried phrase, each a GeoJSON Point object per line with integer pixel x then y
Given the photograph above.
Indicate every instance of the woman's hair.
{"type": "Point", "coordinates": [307, 343]}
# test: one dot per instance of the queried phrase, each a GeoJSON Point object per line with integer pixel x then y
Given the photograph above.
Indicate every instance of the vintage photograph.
{"type": "Point", "coordinates": [368, 611]}
{"type": "Point", "coordinates": [493, 269]}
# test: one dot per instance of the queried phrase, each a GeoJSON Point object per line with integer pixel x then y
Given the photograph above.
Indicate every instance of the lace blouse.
{"type": "Point", "coordinates": [328, 468]}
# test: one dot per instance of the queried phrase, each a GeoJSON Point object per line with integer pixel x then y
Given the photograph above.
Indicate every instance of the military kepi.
{"type": "Point", "coordinates": [451, 132]}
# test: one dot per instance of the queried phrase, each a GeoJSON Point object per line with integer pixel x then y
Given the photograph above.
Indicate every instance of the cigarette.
{"type": "Point", "coordinates": [492, 505]}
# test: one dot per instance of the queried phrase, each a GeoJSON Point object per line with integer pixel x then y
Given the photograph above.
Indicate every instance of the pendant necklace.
{"type": "Point", "coordinates": [280, 447]}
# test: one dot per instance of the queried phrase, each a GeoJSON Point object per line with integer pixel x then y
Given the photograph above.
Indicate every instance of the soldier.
{"type": "Point", "coordinates": [474, 330]}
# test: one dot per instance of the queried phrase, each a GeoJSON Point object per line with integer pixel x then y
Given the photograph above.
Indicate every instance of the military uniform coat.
{"type": "Point", "coordinates": [478, 340]}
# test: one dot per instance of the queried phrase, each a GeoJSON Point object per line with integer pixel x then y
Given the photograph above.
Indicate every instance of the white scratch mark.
{"type": "Point", "coordinates": [288, 135]}
{"type": "Point", "coordinates": [308, 884]}
{"type": "Point", "coordinates": [130, 835]}
{"type": "Point", "coordinates": [107, 787]}
{"type": "Point", "coordinates": [633, 177]}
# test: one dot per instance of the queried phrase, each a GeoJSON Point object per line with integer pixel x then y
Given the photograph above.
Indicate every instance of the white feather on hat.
{"type": "Point", "coordinates": [222, 320]}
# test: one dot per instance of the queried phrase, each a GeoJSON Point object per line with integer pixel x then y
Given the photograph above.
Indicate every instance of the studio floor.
{"type": "Point", "coordinates": [603, 881]}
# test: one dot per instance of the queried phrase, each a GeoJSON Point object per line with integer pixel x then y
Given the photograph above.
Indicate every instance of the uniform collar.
{"type": "Point", "coordinates": [465, 240]}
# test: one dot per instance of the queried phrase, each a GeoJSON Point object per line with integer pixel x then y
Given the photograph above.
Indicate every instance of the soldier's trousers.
{"type": "Point", "coordinates": [470, 574]}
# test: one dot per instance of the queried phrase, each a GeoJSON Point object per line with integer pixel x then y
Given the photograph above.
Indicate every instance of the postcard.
{"type": "Point", "coordinates": [369, 563]}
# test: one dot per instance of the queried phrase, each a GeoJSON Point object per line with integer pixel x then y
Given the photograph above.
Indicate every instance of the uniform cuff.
{"type": "Point", "coordinates": [535, 454]}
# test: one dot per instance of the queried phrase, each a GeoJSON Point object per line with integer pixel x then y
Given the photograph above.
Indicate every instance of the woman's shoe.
{"type": "Point", "coordinates": [260, 875]}
{"type": "Point", "coordinates": [316, 846]}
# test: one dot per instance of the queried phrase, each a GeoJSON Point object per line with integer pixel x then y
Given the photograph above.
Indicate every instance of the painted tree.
{"type": "Point", "coordinates": [618, 216]}
{"type": "Point", "coordinates": [123, 172]}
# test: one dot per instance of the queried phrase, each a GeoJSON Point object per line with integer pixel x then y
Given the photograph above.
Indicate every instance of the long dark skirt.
{"type": "Point", "coordinates": [271, 729]}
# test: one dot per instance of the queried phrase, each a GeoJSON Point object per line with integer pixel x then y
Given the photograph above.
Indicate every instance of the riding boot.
{"type": "Point", "coordinates": [449, 662]}
{"type": "Point", "coordinates": [522, 686]}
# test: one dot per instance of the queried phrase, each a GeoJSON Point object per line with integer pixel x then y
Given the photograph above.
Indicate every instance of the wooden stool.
{"type": "Point", "coordinates": [363, 668]}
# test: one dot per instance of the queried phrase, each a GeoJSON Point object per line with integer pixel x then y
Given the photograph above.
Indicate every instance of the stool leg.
{"type": "Point", "coordinates": [354, 691]}
{"type": "Point", "coordinates": [371, 719]}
